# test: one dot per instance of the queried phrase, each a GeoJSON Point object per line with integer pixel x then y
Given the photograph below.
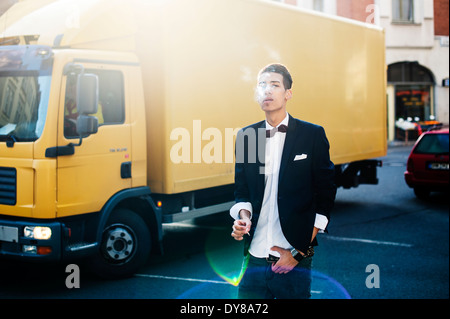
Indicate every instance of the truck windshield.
{"type": "Point", "coordinates": [25, 76]}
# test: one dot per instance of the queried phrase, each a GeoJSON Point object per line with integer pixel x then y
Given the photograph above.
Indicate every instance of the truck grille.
{"type": "Point", "coordinates": [8, 185]}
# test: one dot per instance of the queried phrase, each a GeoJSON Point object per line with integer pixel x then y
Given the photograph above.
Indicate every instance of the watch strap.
{"type": "Point", "coordinates": [299, 257]}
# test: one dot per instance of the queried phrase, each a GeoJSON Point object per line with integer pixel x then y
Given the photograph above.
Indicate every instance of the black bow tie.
{"type": "Point", "coordinates": [282, 129]}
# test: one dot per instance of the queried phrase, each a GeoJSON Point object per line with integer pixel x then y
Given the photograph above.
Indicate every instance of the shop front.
{"type": "Point", "coordinates": [410, 100]}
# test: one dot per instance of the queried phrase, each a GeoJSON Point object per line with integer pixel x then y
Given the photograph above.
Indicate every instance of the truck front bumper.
{"type": "Point", "coordinates": [30, 240]}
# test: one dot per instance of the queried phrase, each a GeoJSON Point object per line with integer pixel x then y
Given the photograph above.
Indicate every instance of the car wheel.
{"type": "Point", "coordinates": [422, 193]}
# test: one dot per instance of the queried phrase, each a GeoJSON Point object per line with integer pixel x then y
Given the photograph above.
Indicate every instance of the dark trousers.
{"type": "Point", "coordinates": [260, 282]}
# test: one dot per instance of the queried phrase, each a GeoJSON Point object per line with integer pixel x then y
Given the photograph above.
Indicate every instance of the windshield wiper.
{"type": "Point", "coordinates": [9, 138]}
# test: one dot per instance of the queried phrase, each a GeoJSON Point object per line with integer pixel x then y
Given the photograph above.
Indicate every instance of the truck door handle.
{"type": "Point", "coordinates": [125, 170]}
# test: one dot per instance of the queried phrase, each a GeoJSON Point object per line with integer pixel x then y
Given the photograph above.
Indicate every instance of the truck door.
{"type": "Point", "coordinates": [101, 165]}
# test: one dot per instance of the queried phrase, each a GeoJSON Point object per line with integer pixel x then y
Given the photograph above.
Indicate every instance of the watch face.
{"type": "Point", "coordinates": [310, 252]}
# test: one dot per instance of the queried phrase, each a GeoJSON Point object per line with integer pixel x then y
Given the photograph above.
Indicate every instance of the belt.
{"type": "Point", "coordinates": [263, 260]}
{"type": "Point", "coordinates": [272, 259]}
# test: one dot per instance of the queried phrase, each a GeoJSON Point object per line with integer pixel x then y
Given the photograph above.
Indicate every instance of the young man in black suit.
{"type": "Point", "coordinates": [284, 192]}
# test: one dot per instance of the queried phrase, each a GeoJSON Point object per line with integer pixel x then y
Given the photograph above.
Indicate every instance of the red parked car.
{"type": "Point", "coordinates": [428, 164]}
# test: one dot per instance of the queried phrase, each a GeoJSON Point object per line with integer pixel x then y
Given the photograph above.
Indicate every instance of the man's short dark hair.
{"type": "Point", "coordinates": [280, 69]}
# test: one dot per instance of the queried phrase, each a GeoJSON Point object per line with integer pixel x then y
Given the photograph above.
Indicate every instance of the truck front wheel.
{"type": "Point", "coordinates": [125, 245]}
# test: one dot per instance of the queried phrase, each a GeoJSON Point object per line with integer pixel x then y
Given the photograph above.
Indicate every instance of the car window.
{"type": "Point", "coordinates": [433, 144]}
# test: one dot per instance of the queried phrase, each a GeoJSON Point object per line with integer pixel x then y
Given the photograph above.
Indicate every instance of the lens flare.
{"type": "Point", "coordinates": [233, 278]}
{"type": "Point", "coordinates": [225, 256]}
{"type": "Point", "coordinates": [226, 259]}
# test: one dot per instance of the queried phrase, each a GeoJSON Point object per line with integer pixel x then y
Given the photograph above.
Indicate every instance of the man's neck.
{"type": "Point", "coordinates": [275, 118]}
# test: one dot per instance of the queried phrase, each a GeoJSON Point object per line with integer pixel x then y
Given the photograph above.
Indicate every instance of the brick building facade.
{"type": "Point", "coordinates": [441, 13]}
{"type": "Point", "coordinates": [417, 52]}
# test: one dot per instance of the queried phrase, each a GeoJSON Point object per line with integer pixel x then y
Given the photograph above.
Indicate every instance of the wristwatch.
{"type": "Point", "coordinates": [299, 257]}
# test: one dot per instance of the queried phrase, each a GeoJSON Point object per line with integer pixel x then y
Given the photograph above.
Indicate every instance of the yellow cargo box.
{"type": "Point", "coordinates": [199, 62]}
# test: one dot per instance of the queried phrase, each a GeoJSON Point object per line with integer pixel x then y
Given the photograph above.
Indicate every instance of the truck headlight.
{"type": "Point", "coordinates": [37, 232]}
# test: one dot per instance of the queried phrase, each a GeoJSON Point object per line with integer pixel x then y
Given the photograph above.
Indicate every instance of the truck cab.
{"type": "Point", "coordinates": [66, 149]}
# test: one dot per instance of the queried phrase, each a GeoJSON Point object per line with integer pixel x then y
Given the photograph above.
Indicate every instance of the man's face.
{"type": "Point", "coordinates": [270, 93]}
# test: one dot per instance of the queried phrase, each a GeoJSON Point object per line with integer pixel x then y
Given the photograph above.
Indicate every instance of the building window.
{"type": "Point", "coordinates": [403, 11]}
{"type": "Point", "coordinates": [318, 5]}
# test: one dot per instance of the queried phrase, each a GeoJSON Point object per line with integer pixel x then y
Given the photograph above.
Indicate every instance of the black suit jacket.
{"type": "Point", "coordinates": [306, 185]}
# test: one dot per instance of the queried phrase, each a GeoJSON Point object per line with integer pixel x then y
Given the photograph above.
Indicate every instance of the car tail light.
{"type": "Point", "coordinates": [410, 165]}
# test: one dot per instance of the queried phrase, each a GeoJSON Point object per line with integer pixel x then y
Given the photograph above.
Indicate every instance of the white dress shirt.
{"type": "Point", "coordinates": [268, 232]}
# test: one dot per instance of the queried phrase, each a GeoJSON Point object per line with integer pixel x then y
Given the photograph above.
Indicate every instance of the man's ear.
{"type": "Point", "coordinates": [288, 94]}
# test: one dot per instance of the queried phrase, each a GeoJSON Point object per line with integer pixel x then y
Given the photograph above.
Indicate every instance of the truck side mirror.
{"type": "Point", "coordinates": [87, 125]}
{"type": "Point", "coordinates": [87, 103]}
{"type": "Point", "coordinates": [87, 94]}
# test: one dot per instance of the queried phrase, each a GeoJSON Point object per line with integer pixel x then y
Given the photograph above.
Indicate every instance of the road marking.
{"type": "Point", "coordinates": [183, 279]}
{"type": "Point", "coordinates": [394, 164]}
{"type": "Point", "coordinates": [360, 240]}
{"type": "Point", "coordinates": [368, 241]}
{"type": "Point", "coordinates": [194, 226]}
{"type": "Point", "coordinates": [196, 280]}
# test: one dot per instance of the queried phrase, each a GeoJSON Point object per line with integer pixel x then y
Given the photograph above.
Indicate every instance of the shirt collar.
{"type": "Point", "coordinates": [285, 122]}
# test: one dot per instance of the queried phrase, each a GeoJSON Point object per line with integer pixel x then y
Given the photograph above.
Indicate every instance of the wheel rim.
{"type": "Point", "coordinates": [119, 243]}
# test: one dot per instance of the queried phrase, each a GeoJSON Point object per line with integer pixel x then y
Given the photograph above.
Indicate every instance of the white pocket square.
{"type": "Point", "coordinates": [300, 157]}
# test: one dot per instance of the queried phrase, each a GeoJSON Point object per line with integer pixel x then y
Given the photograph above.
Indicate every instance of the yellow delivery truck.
{"type": "Point", "coordinates": [118, 116]}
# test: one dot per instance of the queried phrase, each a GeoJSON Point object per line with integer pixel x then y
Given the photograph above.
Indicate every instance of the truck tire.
{"type": "Point", "coordinates": [125, 246]}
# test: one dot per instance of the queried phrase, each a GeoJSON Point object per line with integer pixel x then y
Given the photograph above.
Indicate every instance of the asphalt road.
{"type": "Point", "coordinates": [383, 243]}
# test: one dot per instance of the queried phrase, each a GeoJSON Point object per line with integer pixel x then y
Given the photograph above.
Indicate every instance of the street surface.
{"type": "Point", "coordinates": [383, 243]}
